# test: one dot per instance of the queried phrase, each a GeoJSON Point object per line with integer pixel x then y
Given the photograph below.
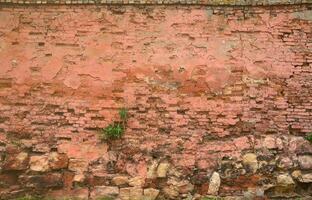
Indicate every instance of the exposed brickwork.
{"type": "Point", "coordinates": [209, 89]}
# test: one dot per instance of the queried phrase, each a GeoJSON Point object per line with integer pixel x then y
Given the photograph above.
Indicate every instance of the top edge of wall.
{"type": "Point", "coordinates": [159, 2]}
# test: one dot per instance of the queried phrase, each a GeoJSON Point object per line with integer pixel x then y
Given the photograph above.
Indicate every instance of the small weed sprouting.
{"type": "Point", "coordinates": [123, 114]}
{"type": "Point", "coordinates": [116, 129]}
{"type": "Point", "coordinates": [113, 131]}
{"type": "Point", "coordinates": [309, 137]}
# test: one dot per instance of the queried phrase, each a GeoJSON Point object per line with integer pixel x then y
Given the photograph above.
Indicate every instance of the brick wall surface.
{"type": "Point", "coordinates": [215, 94]}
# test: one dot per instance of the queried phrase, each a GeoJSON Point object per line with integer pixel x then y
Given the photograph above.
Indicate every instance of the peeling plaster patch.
{"type": "Point", "coordinates": [209, 12]}
{"type": "Point", "coordinates": [72, 81]}
{"type": "Point", "coordinates": [222, 48]}
{"type": "Point", "coordinates": [51, 69]}
{"type": "Point", "coordinates": [304, 15]}
{"type": "Point", "coordinates": [7, 21]}
{"type": "Point", "coordinates": [3, 46]}
{"type": "Point", "coordinates": [163, 84]}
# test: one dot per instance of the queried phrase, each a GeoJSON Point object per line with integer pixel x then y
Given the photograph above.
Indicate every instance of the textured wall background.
{"type": "Point", "coordinates": [209, 89]}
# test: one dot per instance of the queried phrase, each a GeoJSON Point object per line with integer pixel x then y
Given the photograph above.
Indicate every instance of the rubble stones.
{"type": "Point", "coordinates": [171, 192]}
{"type": "Point", "coordinates": [214, 184]}
{"type": "Point", "coordinates": [121, 180]}
{"type": "Point", "coordinates": [57, 161]}
{"type": "Point", "coordinates": [285, 163]}
{"type": "Point", "coordinates": [136, 193]}
{"type": "Point", "coordinates": [124, 193]}
{"type": "Point", "coordinates": [39, 163]}
{"type": "Point", "coordinates": [136, 181]}
{"type": "Point", "coordinates": [104, 191]}
{"type": "Point", "coordinates": [52, 161]}
{"type": "Point", "coordinates": [16, 161]}
{"type": "Point", "coordinates": [151, 172]}
{"type": "Point", "coordinates": [305, 178]}
{"type": "Point", "coordinates": [285, 180]}
{"type": "Point", "coordinates": [305, 162]}
{"type": "Point", "coordinates": [79, 178]}
{"type": "Point", "coordinates": [77, 165]}
{"type": "Point", "coordinates": [302, 177]}
{"type": "Point", "coordinates": [48, 180]}
{"type": "Point", "coordinates": [250, 160]}
{"type": "Point", "coordinates": [162, 170]}
{"type": "Point", "coordinates": [150, 193]}
{"type": "Point", "coordinates": [185, 187]}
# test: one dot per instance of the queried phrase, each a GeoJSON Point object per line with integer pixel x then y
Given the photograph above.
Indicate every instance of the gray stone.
{"type": "Point", "coordinates": [296, 174]}
{"type": "Point", "coordinates": [124, 193]}
{"type": "Point", "coordinates": [162, 170]}
{"type": "Point", "coordinates": [104, 191]}
{"type": "Point", "coordinates": [77, 165]}
{"type": "Point", "coordinates": [214, 184]}
{"type": "Point", "coordinates": [39, 163]}
{"type": "Point", "coordinates": [305, 178]}
{"type": "Point", "coordinates": [136, 193]}
{"type": "Point", "coordinates": [120, 180]}
{"type": "Point", "coordinates": [185, 187]}
{"type": "Point", "coordinates": [305, 162]}
{"type": "Point", "coordinates": [299, 145]}
{"type": "Point", "coordinates": [151, 172]}
{"type": "Point", "coordinates": [270, 142]}
{"type": "Point", "coordinates": [285, 163]}
{"type": "Point", "coordinates": [285, 180]}
{"type": "Point", "coordinates": [250, 160]}
{"type": "Point", "coordinates": [58, 161]}
{"type": "Point", "coordinates": [171, 192]}
{"type": "Point", "coordinates": [17, 161]}
{"type": "Point", "coordinates": [150, 194]}
{"type": "Point", "coordinates": [79, 178]}
{"type": "Point", "coordinates": [136, 181]}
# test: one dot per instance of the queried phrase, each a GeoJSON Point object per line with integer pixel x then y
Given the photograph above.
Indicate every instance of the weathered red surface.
{"type": "Point", "coordinates": [200, 84]}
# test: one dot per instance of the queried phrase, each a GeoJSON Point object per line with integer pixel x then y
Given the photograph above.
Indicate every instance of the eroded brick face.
{"type": "Point", "coordinates": [203, 85]}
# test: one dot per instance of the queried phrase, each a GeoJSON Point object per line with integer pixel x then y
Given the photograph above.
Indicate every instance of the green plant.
{"type": "Point", "coordinates": [309, 137]}
{"type": "Point", "coordinates": [123, 113]}
{"type": "Point", "coordinates": [116, 129]}
{"type": "Point", "coordinates": [113, 131]}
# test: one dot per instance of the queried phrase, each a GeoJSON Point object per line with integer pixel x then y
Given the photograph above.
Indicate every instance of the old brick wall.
{"type": "Point", "coordinates": [211, 91]}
